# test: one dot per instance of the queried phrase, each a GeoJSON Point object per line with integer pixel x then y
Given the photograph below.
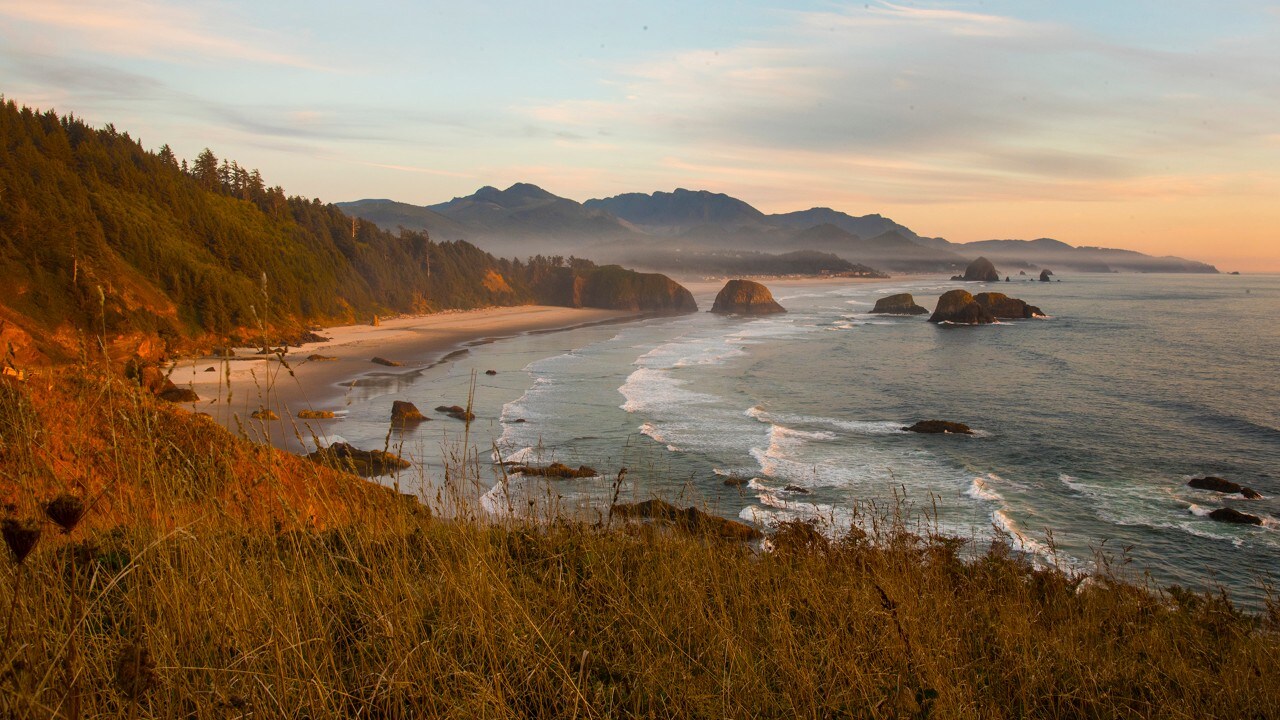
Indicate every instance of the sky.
{"type": "Point", "coordinates": [1153, 126]}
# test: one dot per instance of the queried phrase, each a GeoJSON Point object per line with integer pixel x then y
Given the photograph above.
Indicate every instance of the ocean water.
{"type": "Point", "coordinates": [1089, 423]}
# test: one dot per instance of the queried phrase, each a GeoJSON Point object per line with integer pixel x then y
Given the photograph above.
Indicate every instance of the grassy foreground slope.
{"type": "Point", "coordinates": [213, 578]}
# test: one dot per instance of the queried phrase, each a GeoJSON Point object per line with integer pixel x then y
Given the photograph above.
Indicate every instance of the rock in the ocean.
{"type": "Point", "coordinates": [1218, 484]}
{"type": "Point", "coordinates": [315, 415]}
{"type": "Point", "coordinates": [747, 298]}
{"type": "Point", "coordinates": [900, 304]}
{"type": "Point", "coordinates": [1004, 307]}
{"type": "Point", "coordinates": [490, 372]}
{"type": "Point", "coordinates": [959, 307]}
{"type": "Point", "coordinates": [457, 412]}
{"type": "Point", "coordinates": [555, 470]}
{"type": "Point", "coordinates": [362, 462]}
{"type": "Point", "coordinates": [1044, 275]}
{"type": "Point", "coordinates": [1228, 515]}
{"type": "Point", "coordinates": [939, 426]}
{"type": "Point", "coordinates": [691, 519]}
{"type": "Point", "coordinates": [384, 361]}
{"type": "Point", "coordinates": [404, 412]}
{"type": "Point", "coordinates": [982, 270]}
{"type": "Point", "coordinates": [263, 414]}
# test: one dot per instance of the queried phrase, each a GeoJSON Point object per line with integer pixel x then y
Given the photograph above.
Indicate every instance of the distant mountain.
{"type": "Point", "coordinates": [1055, 254]}
{"type": "Point", "coordinates": [889, 250]}
{"type": "Point", "coordinates": [677, 212]}
{"type": "Point", "coordinates": [391, 215]}
{"type": "Point", "coordinates": [864, 226]}
{"type": "Point", "coordinates": [526, 212]}
{"type": "Point", "coordinates": [525, 219]}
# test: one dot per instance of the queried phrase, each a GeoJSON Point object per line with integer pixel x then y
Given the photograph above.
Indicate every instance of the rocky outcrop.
{"type": "Point", "coordinates": [1045, 274]}
{"type": "Point", "coordinates": [263, 414]}
{"type": "Point", "coordinates": [457, 412]}
{"type": "Point", "coordinates": [555, 470]}
{"type": "Point", "coordinates": [368, 463]}
{"type": "Point", "coordinates": [691, 519]}
{"type": "Point", "coordinates": [1217, 484]}
{"type": "Point", "coordinates": [746, 297]}
{"type": "Point", "coordinates": [900, 304]}
{"type": "Point", "coordinates": [939, 427]}
{"type": "Point", "coordinates": [1004, 307]}
{"type": "Point", "coordinates": [404, 412]}
{"type": "Point", "coordinates": [959, 307]}
{"type": "Point", "coordinates": [1229, 515]}
{"type": "Point", "coordinates": [315, 415]}
{"type": "Point", "coordinates": [613, 287]}
{"type": "Point", "coordinates": [980, 270]}
{"type": "Point", "coordinates": [174, 394]}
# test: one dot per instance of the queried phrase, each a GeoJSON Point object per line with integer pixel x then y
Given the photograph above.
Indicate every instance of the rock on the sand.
{"type": "Point", "coordinates": [746, 297]}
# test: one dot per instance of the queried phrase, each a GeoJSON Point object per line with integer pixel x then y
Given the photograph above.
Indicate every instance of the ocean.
{"type": "Point", "coordinates": [1089, 423]}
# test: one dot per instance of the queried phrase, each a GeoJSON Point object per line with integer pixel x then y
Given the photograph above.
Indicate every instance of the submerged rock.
{"type": "Point", "coordinates": [900, 304]}
{"type": "Point", "coordinates": [746, 297]}
{"type": "Point", "coordinates": [1004, 307]}
{"type": "Point", "coordinates": [404, 412]}
{"type": "Point", "coordinates": [362, 462]}
{"type": "Point", "coordinates": [691, 519]}
{"type": "Point", "coordinates": [939, 426]}
{"type": "Point", "coordinates": [1218, 484]}
{"type": "Point", "coordinates": [1229, 515]}
{"type": "Point", "coordinates": [959, 307]}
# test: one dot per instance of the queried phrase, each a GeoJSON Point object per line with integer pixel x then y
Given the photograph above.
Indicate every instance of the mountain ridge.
{"type": "Point", "coordinates": [654, 228]}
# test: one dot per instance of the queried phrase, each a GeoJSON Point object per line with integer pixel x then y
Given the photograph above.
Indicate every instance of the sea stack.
{"type": "Point", "coordinates": [1006, 308]}
{"type": "Point", "coordinates": [1044, 275]}
{"type": "Point", "coordinates": [746, 297]}
{"type": "Point", "coordinates": [980, 270]}
{"type": "Point", "coordinates": [959, 307]}
{"type": "Point", "coordinates": [900, 304]}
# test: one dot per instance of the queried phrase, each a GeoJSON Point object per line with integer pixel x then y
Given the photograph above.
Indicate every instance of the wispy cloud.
{"type": "Point", "coordinates": [155, 30]}
{"type": "Point", "coordinates": [982, 105]}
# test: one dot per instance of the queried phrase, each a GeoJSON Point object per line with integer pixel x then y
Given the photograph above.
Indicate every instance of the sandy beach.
{"type": "Point", "coordinates": [237, 386]}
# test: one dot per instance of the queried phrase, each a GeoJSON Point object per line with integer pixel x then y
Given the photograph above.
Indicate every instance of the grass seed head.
{"type": "Point", "coordinates": [20, 536]}
{"type": "Point", "coordinates": [65, 511]}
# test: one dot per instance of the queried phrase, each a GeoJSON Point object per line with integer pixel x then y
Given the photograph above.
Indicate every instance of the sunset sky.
{"type": "Point", "coordinates": [1153, 126]}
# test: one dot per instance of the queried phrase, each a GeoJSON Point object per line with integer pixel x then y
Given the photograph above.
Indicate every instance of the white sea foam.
{"type": "Point", "coordinates": [1199, 510]}
{"type": "Point", "coordinates": [980, 490]}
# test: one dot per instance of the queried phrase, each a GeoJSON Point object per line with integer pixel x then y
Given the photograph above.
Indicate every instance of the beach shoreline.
{"type": "Point", "coordinates": [232, 388]}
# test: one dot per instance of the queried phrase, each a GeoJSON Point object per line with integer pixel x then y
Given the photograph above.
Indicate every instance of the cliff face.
{"type": "Point", "coordinates": [747, 298]}
{"type": "Point", "coordinates": [612, 287]}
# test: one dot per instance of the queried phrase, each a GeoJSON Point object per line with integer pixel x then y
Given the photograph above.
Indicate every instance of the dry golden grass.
{"type": "Point", "coordinates": [211, 578]}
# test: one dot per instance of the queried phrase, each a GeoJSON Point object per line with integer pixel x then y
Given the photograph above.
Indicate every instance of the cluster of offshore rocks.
{"type": "Point", "coordinates": [958, 307]}
{"type": "Point", "coordinates": [1227, 487]}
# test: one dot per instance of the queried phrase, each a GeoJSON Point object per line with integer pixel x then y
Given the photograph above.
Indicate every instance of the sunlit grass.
{"type": "Point", "coordinates": [210, 577]}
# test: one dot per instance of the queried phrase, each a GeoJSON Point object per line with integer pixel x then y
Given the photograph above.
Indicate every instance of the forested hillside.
{"type": "Point", "coordinates": [100, 237]}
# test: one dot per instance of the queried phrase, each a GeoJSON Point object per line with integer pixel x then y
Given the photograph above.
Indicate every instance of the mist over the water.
{"type": "Point", "coordinates": [1089, 423]}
